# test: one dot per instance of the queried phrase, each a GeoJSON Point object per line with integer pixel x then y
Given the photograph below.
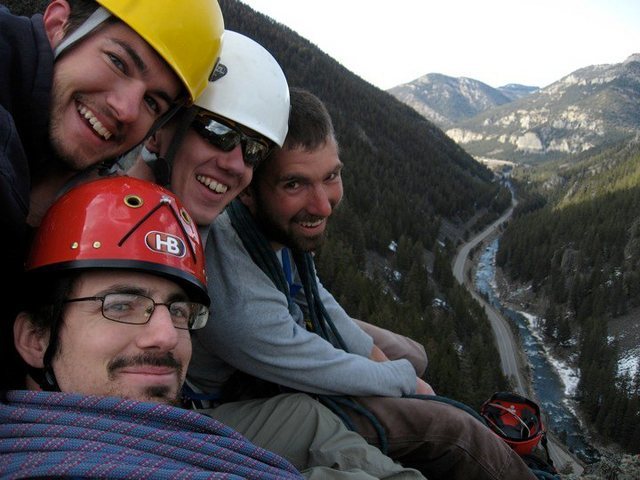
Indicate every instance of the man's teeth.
{"type": "Point", "coordinates": [212, 184]}
{"type": "Point", "coordinates": [312, 224]}
{"type": "Point", "coordinates": [95, 123]}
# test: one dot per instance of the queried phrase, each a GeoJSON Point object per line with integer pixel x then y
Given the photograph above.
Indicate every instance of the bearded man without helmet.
{"type": "Point", "coordinates": [276, 321]}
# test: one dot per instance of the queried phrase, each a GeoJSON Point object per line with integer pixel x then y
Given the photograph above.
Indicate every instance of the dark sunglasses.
{"type": "Point", "coordinates": [226, 138]}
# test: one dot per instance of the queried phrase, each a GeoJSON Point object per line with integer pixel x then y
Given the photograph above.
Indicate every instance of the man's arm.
{"type": "Point", "coordinates": [379, 336]}
{"type": "Point", "coordinates": [395, 346]}
{"type": "Point", "coordinates": [422, 387]}
{"type": "Point", "coordinates": [252, 329]}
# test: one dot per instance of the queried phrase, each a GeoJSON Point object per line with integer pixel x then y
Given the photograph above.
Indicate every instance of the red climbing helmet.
{"type": "Point", "coordinates": [122, 223]}
{"type": "Point", "coordinates": [515, 419]}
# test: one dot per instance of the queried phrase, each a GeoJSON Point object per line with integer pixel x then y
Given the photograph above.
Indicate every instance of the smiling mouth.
{"type": "Point", "coordinates": [212, 184]}
{"type": "Point", "coordinates": [94, 122]}
{"type": "Point", "coordinates": [312, 224]}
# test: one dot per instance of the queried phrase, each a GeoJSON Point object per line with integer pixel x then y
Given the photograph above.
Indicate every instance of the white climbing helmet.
{"type": "Point", "coordinates": [249, 87]}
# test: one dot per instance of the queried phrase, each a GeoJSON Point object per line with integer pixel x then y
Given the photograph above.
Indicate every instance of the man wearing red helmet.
{"type": "Point", "coordinates": [82, 84]}
{"type": "Point", "coordinates": [117, 278]}
{"type": "Point", "coordinates": [118, 283]}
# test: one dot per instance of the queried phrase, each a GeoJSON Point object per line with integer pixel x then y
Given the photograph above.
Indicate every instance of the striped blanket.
{"type": "Point", "coordinates": [45, 434]}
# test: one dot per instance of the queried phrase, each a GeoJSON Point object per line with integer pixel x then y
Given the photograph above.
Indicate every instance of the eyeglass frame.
{"type": "Point", "coordinates": [203, 309]}
{"type": "Point", "coordinates": [201, 125]}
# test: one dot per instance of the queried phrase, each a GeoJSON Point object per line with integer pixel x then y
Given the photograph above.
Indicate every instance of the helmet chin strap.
{"type": "Point", "coordinates": [45, 378]}
{"type": "Point", "coordinates": [162, 166]}
{"type": "Point", "coordinates": [95, 19]}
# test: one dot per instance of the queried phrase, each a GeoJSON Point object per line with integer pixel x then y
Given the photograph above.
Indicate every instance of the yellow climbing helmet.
{"type": "Point", "coordinates": [186, 34]}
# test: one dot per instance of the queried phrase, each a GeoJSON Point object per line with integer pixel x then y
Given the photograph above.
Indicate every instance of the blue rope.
{"type": "Point", "coordinates": [353, 405]}
{"type": "Point", "coordinates": [70, 435]}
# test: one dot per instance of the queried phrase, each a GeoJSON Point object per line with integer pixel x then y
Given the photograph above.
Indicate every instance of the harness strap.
{"type": "Point", "coordinates": [294, 288]}
{"type": "Point", "coordinates": [96, 18]}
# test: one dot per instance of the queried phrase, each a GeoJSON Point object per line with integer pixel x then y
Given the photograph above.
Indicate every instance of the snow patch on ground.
{"type": "Point", "coordinates": [628, 363]}
{"type": "Point", "coordinates": [569, 376]}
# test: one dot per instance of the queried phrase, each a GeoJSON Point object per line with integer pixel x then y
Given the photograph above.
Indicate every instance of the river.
{"type": "Point", "coordinates": [549, 388]}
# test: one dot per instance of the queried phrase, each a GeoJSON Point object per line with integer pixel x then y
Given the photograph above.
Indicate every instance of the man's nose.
{"type": "Point", "coordinates": [320, 204]}
{"type": "Point", "coordinates": [126, 100]}
{"type": "Point", "coordinates": [233, 161]}
{"type": "Point", "coordinates": [159, 332]}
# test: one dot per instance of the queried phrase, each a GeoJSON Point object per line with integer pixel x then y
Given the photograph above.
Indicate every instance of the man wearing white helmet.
{"type": "Point", "coordinates": [206, 156]}
{"type": "Point", "coordinates": [274, 320]}
{"type": "Point", "coordinates": [84, 83]}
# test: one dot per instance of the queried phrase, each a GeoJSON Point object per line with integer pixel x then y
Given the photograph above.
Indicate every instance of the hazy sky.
{"type": "Point", "coordinates": [495, 41]}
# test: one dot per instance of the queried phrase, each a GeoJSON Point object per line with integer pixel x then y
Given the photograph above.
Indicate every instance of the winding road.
{"type": "Point", "coordinates": [508, 347]}
{"type": "Point", "coordinates": [505, 339]}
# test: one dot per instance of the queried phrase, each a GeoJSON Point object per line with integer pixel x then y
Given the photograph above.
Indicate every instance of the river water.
{"type": "Point", "coordinates": [549, 388]}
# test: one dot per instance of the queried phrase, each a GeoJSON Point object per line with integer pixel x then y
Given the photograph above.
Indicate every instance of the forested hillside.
{"type": "Point", "coordinates": [404, 178]}
{"type": "Point", "coordinates": [576, 240]}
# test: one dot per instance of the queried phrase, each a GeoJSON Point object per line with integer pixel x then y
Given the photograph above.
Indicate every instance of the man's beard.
{"type": "Point", "coordinates": [275, 233]}
{"type": "Point", "coordinates": [63, 156]}
{"type": "Point", "coordinates": [66, 154]}
{"type": "Point", "coordinates": [158, 393]}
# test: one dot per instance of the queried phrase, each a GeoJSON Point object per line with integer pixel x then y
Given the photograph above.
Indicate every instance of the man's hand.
{"type": "Point", "coordinates": [378, 355]}
{"type": "Point", "coordinates": [423, 388]}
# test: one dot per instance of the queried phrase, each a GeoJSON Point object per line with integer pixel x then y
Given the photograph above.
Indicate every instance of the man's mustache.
{"type": "Point", "coordinates": [145, 359]}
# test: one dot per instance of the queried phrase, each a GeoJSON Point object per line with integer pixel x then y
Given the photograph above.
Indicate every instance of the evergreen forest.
{"type": "Point", "coordinates": [403, 179]}
{"type": "Point", "coordinates": [575, 239]}
{"type": "Point", "coordinates": [406, 184]}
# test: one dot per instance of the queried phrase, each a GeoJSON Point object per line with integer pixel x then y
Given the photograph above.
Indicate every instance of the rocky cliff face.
{"type": "Point", "coordinates": [589, 108]}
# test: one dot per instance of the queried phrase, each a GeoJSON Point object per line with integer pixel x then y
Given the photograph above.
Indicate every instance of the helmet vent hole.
{"type": "Point", "coordinates": [185, 216]}
{"type": "Point", "coordinates": [133, 201]}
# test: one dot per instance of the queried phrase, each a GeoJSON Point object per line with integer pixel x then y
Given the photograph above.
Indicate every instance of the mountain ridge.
{"type": "Point", "coordinates": [590, 107]}
{"type": "Point", "coordinates": [447, 100]}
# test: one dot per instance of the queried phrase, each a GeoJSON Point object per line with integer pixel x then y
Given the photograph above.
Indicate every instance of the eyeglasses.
{"type": "Point", "coordinates": [137, 309]}
{"type": "Point", "coordinates": [226, 138]}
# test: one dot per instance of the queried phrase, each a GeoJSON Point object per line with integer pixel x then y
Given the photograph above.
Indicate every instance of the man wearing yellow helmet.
{"type": "Point", "coordinates": [84, 83]}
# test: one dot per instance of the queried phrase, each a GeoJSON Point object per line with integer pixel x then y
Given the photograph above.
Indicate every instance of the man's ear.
{"type": "Point", "coordinates": [248, 198]}
{"type": "Point", "coordinates": [56, 18]}
{"type": "Point", "coordinates": [30, 343]}
{"type": "Point", "coordinates": [154, 143]}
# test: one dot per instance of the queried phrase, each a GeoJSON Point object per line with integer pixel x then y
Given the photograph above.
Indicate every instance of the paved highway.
{"type": "Point", "coordinates": [506, 343]}
{"type": "Point", "coordinates": [504, 336]}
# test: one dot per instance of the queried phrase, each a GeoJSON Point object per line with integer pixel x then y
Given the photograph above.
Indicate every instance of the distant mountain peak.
{"type": "Point", "coordinates": [589, 107]}
{"type": "Point", "coordinates": [586, 109]}
{"type": "Point", "coordinates": [447, 100]}
{"type": "Point", "coordinates": [633, 58]}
